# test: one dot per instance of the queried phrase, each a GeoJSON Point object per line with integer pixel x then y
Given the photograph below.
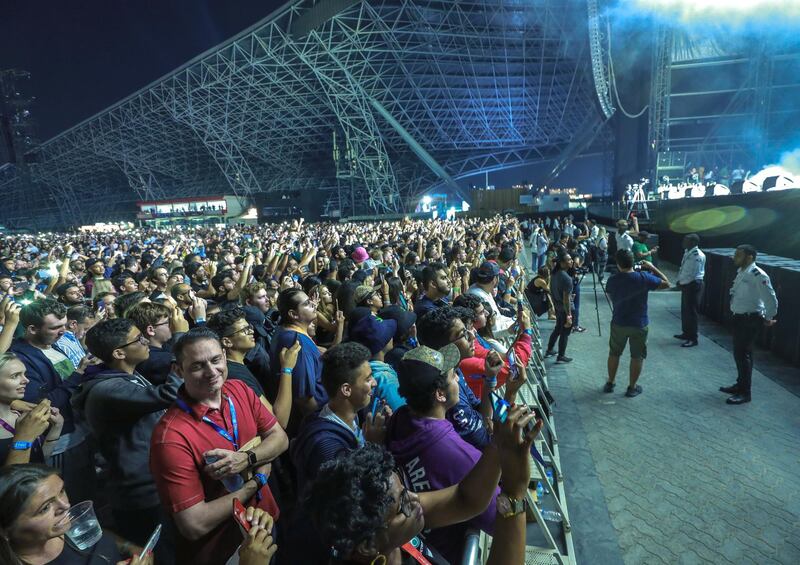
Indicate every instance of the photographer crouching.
{"type": "Point", "coordinates": [628, 290]}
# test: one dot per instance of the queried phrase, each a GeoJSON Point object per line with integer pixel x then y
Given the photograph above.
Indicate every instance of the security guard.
{"type": "Point", "coordinates": [753, 303]}
{"type": "Point", "coordinates": [690, 281]}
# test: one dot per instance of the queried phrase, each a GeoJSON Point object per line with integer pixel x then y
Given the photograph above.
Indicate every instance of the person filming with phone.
{"type": "Point", "coordinates": [628, 290]}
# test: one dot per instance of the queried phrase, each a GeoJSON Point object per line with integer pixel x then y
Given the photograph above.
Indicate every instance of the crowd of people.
{"type": "Point", "coordinates": [337, 380]}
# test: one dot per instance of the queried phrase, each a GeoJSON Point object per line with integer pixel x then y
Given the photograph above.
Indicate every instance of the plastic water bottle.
{"type": "Point", "coordinates": [539, 491]}
{"type": "Point", "coordinates": [552, 515]}
{"type": "Point", "coordinates": [232, 483]}
{"type": "Point", "coordinates": [549, 473]}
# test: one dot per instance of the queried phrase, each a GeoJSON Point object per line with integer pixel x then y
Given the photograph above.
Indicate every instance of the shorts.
{"type": "Point", "coordinates": [620, 335]}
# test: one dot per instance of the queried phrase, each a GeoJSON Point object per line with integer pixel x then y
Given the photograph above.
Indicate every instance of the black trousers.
{"type": "Point", "coordinates": [560, 333]}
{"type": "Point", "coordinates": [745, 332]}
{"type": "Point", "coordinates": [690, 304]}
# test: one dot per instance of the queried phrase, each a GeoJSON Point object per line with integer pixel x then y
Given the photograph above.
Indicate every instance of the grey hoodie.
{"type": "Point", "coordinates": [121, 411]}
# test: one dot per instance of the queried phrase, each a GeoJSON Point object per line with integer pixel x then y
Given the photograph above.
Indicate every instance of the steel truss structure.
{"type": "Point", "coordinates": [416, 93]}
{"type": "Point", "coordinates": [722, 102]}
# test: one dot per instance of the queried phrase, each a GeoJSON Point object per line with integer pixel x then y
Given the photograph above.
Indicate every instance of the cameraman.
{"type": "Point", "coordinates": [628, 290]}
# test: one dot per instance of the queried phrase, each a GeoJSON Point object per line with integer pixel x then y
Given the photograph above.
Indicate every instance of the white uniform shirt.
{"type": "Point", "coordinates": [624, 241]}
{"type": "Point", "coordinates": [752, 293]}
{"type": "Point", "coordinates": [693, 266]}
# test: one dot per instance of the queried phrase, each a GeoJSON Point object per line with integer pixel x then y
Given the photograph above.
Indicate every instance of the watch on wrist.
{"type": "Point", "coordinates": [508, 507]}
{"type": "Point", "coordinates": [252, 459]}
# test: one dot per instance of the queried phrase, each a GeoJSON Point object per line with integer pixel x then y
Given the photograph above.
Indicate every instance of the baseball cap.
{"type": "Point", "coordinates": [362, 293]}
{"type": "Point", "coordinates": [442, 359]}
{"type": "Point", "coordinates": [359, 255]}
{"type": "Point", "coordinates": [372, 332]}
{"type": "Point", "coordinates": [422, 366]}
{"type": "Point", "coordinates": [488, 270]}
{"type": "Point", "coordinates": [92, 261]}
{"type": "Point", "coordinates": [357, 313]}
{"type": "Point", "coordinates": [403, 317]}
{"type": "Point", "coordinates": [622, 223]}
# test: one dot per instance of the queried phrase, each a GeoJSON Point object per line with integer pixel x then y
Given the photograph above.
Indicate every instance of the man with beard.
{"type": "Point", "coordinates": [435, 287]}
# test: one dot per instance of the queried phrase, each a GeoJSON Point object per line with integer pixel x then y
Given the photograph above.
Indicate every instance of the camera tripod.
{"type": "Point", "coordinates": [591, 267]}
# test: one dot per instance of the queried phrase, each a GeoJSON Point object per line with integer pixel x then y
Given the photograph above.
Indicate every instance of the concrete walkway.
{"type": "Point", "coordinates": [681, 476]}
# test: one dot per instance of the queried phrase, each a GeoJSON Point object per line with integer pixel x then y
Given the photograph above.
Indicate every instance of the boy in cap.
{"type": "Point", "coordinates": [426, 445]}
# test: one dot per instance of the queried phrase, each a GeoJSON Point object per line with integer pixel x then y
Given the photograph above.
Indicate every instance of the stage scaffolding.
{"type": "Point", "coordinates": [719, 101]}
{"type": "Point", "coordinates": [420, 94]}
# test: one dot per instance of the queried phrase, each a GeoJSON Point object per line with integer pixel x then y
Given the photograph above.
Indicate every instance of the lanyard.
{"type": "Point", "coordinates": [8, 427]}
{"type": "Point", "coordinates": [220, 430]}
{"type": "Point", "coordinates": [484, 343]}
{"type": "Point", "coordinates": [416, 554]}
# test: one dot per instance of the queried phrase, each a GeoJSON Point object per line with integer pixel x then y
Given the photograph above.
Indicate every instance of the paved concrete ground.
{"type": "Point", "coordinates": [684, 477]}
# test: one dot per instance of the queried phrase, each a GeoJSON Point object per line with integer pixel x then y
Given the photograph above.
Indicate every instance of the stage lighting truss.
{"type": "Point", "coordinates": [599, 55]}
{"type": "Point", "coordinates": [426, 92]}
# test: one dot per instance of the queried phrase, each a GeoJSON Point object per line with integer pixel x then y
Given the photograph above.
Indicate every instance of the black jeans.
{"type": "Point", "coordinates": [690, 304]}
{"type": "Point", "coordinates": [745, 332]}
{"type": "Point", "coordinates": [560, 332]}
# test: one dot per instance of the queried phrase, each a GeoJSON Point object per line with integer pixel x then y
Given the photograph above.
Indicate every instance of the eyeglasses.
{"type": "Point", "coordinates": [465, 334]}
{"type": "Point", "coordinates": [248, 329]}
{"type": "Point", "coordinates": [161, 324]}
{"type": "Point", "coordinates": [139, 339]}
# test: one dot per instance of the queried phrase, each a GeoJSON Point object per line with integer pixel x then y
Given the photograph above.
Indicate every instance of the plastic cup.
{"type": "Point", "coordinates": [84, 529]}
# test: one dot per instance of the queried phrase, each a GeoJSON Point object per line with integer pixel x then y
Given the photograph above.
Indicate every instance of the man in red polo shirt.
{"type": "Point", "coordinates": [210, 421]}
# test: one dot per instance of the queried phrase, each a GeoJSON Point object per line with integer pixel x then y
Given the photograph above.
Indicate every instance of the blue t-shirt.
{"type": "Point", "coordinates": [628, 293]}
{"type": "Point", "coordinates": [306, 381]}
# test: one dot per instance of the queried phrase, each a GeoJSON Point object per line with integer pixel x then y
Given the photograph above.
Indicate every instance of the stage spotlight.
{"type": "Point", "coordinates": [772, 178]}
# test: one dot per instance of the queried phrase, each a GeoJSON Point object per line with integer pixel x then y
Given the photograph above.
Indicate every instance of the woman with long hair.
{"type": "Point", "coordinates": [22, 435]}
{"type": "Point", "coordinates": [34, 522]}
{"type": "Point", "coordinates": [326, 322]}
{"type": "Point", "coordinates": [397, 293]}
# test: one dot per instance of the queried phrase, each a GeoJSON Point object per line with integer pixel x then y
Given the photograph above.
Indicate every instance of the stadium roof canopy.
{"type": "Point", "coordinates": [391, 97]}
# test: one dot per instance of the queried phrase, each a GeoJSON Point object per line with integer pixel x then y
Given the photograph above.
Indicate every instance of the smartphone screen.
{"type": "Point", "coordinates": [151, 543]}
{"type": "Point", "coordinates": [513, 370]}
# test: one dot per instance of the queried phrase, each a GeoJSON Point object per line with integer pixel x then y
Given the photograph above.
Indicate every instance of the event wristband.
{"type": "Point", "coordinates": [528, 331]}
{"type": "Point", "coordinates": [21, 445]}
{"type": "Point", "coordinates": [200, 321]}
{"type": "Point", "coordinates": [261, 479]}
{"type": "Point", "coordinates": [287, 370]}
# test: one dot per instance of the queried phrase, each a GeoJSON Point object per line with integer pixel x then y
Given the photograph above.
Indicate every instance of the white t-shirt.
{"type": "Point", "coordinates": [624, 241]}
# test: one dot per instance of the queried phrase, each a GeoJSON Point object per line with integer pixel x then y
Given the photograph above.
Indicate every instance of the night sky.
{"type": "Point", "coordinates": [84, 55]}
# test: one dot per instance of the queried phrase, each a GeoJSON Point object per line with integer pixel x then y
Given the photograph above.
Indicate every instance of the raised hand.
{"type": "Point", "coordinates": [289, 355]}
{"type": "Point", "coordinates": [31, 425]}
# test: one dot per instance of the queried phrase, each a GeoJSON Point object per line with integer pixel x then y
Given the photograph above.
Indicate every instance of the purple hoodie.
{"type": "Point", "coordinates": [434, 457]}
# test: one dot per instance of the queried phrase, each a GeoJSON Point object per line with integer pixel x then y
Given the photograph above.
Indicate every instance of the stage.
{"type": "Point", "coordinates": [766, 220]}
